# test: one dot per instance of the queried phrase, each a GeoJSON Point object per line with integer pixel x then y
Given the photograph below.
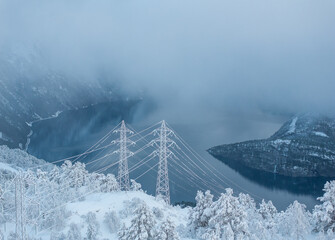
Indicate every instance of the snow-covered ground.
{"type": "Point", "coordinates": [69, 203]}
{"type": "Point", "coordinates": [293, 125]}
{"type": "Point", "coordinates": [6, 167]}
{"type": "Point", "coordinates": [20, 160]}
{"type": "Point", "coordinates": [123, 204]}
{"type": "Point", "coordinates": [321, 134]}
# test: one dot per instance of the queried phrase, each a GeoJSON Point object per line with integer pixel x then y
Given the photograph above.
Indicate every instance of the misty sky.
{"type": "Point", "coordinates": [195, 58]}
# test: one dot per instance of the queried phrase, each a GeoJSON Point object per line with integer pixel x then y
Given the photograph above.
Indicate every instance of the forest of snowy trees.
{"type": "Point", "coordinates": [229, 217]}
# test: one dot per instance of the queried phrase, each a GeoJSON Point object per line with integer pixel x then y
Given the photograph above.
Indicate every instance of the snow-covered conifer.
{"type": "Point", "coordinates": [321, 236]}
{"type": "Point", "coordinates": [12, 236]}
{"type": "Point", "coordinates": [96, 181]}
{"type": "Point", "coordinates": [135, 186]}
{"type": "Point", "coordinates": [295, 221]}
{"type": "Point", "coordinates": [324, 214]}
{"type": "Point", "coordinates": [130, 207]}
{"type": "Point", "coordinates": [212, 233]}
{"type": "Point", "coordinates": [202, 212]}
{"type": "Point", "coordinates": [158, 213]}
{"type": "Point", "coordinates": [74, 175]}
{"type": "Point", "coordinates": [268, 213]}
{"type": "Point", "coordinates": [92, 226]}
{"type": "Point", "coordinates": [112, 221]}
{"type": "Point", "coordinates": [54, 175]}
{"type": "Point", "coordinates": [228, 210]}
{"type": "Point", "coordinates": [57, 236]}
{"type": "Point", "coordinates": [141, 227]}
{"type": "Point", "coordinates": [267, 210]}
{"type": "Point", "coordinates": [74, 232]}
{"type": "Point", "coordinates": [247, 202]}
{"type": "Point", "coordinates": [248, 206]}
{"type": "Point", "coordinates": [54, 219]}
{"type": "Point", "coordinates": [167, 231]}
{"type": "Point", "coordinates": [1, 193]}
{"type": "Point", "coordinates": [228, 233]}
{"type": "Point", "coordinates": [79, 175]}
{"type": "Point", "coordinates": [39, 174]}
{"type": "Point", "coordinates": [109, 184]}
{"type": "Point", "coordinates": [260, 231]}
{"type": "Point", "coordinates": [122, 234]}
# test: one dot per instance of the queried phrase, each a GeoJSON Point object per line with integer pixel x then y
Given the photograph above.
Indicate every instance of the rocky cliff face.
{"type": "Point", "coordinates": [303, 147]}
{"type": "Point", "coordinates": [30, 91]}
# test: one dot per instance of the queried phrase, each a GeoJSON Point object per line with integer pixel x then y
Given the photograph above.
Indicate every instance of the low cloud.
{"type": "Point", "coordinates": [196, 59]}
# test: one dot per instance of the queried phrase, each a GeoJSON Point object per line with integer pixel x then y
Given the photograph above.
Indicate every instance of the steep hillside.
{"type": "Point", "coordinates": [68, 202]}
{"type": "Point", "coordinates": [303, 147]}
{"type": "Point", "coordinates": [16, 159]}
{"type": "Point", "coordinates": [30, 91]}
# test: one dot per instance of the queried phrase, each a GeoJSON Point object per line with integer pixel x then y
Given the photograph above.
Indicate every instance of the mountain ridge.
{"type": "Point", "coordinates": [303, 147]}
{"type": "Point", "coordinates": [30, 90]}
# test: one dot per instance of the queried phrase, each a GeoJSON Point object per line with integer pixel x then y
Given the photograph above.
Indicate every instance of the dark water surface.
{"type": "Point", "coordinates": [72, 132]}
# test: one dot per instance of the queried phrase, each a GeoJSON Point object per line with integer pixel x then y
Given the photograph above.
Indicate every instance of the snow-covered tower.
{"type": "Point", "coordinates": [163, 142]}
{"type": "Point", "coordinates": [20, 228]}
{"type": "Point", "coordinates": [124, 153]}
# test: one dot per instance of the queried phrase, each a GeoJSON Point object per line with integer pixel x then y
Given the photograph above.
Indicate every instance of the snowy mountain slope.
{"type": "Point", "coordinates": [13, 161]}
{"type": "Point", "coordinates": [30, 90]}
{"type": "Point", "coordinates": [75, 205]}
{"type": "Point", "coordinates": [123, 204]}
{"type": "Point", "coordinates": [16, 159]}
{"type": "Point", "coordinates": [7, 168]}
{"type": "Point", "coordinates": [303, 147]}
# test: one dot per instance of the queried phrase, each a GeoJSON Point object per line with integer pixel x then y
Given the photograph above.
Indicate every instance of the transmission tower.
{"type": "Point", "coordinates": [124, 153]}
{"type": "Point", "coordinates": [163, 142]}
{"type": "Point", "coordinates": [20, 228]}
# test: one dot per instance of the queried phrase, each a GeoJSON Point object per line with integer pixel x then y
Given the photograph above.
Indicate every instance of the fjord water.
{"type": "Point", "coordinates": [72, 132]}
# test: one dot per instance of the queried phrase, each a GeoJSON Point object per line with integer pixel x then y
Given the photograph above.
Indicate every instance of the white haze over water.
{"type": "Point", "coordinates": [199, 60]}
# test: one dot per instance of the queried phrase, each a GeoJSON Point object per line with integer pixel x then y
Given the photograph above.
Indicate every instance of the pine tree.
{"type": "Point", "coordinates": [142, 225]}
{"type": "Point", "coordinates": [228, 233]}
{"type": "Point", "coordinates": [12, 236]}
{"type": "Point", "coordinates": [74, 233]}
{"type": "Point", "coordinates": [324, 214]}
{"type": "Point", "coordinates": [57, 236]}
{"type": "Point", "coordinates": [122, 234]}
{"type": "Point", "coordinates": [167, 231]}
{"type": "Point", "coordinates": [202, 212]}
{"type": "Point", "coordinates": [96, 182]}
{"type": "Point", "coordinates": [321, 236]}
{"type": "Point", "coordinates": [268, 213]}
{"type": "Point", "coordinates": [79, 175]}
{"type": "Point", "coordinates": [135, 186]}
{"type": "Point", "coordinates": [212, 233]}
{"type": "Point", "coordinates": [54, 175]}
{"type": "Point", "coordinates": [109, 184]}
{"type": "Point", "coordinates": [2, 203]}
{"type": "Point", "coordinates": [74, 175]}
{"type": "Point", "coordinates": [247, 202]}
{"type": "Point", "coordinates": [227, 210]}
{"type": "Point", "coordinates": [295, 221]}
{"type": "Point", "coordinates": [267, 210]}
{"type": "Point", "coordinates": [112, 221]}
{"type": "Point", "coordinates": [260, 231]}
{"type": "Point", "coordinates": [248, 206]}
{"type": "Point", "coordinates": [92, 226]}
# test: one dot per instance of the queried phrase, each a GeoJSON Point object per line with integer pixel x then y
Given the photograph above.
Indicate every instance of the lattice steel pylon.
{"type": "Point", "coordinates": [163, 142]}
{"type": "Point", "coordinates": [20, 228]}
{"type": "Point", "coordinates": [124, 153]}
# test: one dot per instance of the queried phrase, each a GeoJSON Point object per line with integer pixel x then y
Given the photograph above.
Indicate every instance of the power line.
{"type": "Point", "coordinates": [201, 160]}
